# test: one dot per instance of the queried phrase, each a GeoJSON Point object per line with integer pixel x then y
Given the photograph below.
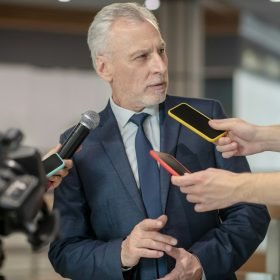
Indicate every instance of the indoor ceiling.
{"type": "Point", "coordinates": [263, 8]}
{"type": "Point", "coordinates": [79, 4]}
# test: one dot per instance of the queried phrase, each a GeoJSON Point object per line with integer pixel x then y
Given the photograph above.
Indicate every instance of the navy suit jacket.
{"type": "Point", "coordinates": [99, 204]}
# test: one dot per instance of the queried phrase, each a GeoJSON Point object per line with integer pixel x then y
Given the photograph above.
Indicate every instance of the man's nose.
{"type": "Point", "coordinates": [159, 63]}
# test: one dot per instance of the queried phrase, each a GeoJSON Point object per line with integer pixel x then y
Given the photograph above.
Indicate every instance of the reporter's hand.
{"type": "Point", "coordinates": [187, 266]}
{"type": "Point", "coordinates": [242, 138]}
{"type": "Point", "coordinates": [55, 180]}
{"type": "Point", "coordinates": [212, 188]}
{"type": "Point", "coordinates": [145, 241]}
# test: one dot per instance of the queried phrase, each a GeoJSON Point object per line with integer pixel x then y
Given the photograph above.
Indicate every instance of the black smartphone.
{"type": "Point", "coordinates": [195, 121]}
{"type": "Point", "coordinates": [52, 164]}
{"type": "Point", "coordinates": [170, 163]}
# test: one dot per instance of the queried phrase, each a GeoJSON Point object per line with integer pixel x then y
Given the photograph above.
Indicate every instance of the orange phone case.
{"type": "Point", "coordinates": [170, 163]}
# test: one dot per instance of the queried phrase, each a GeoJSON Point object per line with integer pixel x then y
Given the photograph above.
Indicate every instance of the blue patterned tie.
{"type": "Point", "coordinates": [149, 180]}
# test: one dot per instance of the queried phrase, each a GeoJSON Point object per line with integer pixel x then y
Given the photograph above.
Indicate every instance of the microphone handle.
{"type": "Point", "coordinates": [73, 141]}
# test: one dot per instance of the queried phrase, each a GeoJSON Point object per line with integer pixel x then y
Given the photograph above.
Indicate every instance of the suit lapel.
{"type": "Point", "coordinates": [112, 143]}
{"type": "Point", "coordinates": [113, 146]}
{"type": "Point", "coordinates": [169, 133]}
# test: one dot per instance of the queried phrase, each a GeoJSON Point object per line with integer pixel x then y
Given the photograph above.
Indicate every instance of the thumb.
{"type": "Point", "coordinates": [163, 219]}
{"type": "Point", "coordinates": [174, 253]}
{"type": "Point", "coordinates": [222, 124]}
{"type": "Point", "coordinates": [52, 151]}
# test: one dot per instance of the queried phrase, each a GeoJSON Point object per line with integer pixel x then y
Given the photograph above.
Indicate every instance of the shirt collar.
{"type": "Point", "coordinates": [123, 115]}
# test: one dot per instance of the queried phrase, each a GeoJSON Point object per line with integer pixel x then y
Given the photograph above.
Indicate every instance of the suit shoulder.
{"type": "Point", "coordinates": [192, 101]}
{"type": "Point", "coordinates": [210, 107]}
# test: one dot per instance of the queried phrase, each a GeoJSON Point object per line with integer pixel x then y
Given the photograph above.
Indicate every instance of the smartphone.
{"type": "Point", "coordinates": [52, 164]}
{"type": "Point", "coordinates": [195, 121]}
{"type": "Point", "coordinates": [170, 163]}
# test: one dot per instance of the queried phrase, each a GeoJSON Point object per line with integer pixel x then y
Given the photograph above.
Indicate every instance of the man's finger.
{"type": "Point", "coordinates": [174, 253]}
{"type": "Point", "coordinates": [152, 224]}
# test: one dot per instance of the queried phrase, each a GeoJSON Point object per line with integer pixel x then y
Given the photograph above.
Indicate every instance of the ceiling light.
{"type": "Point", "coordinates": [274, 0]}
{"type": "Point", "coordinates": [152, 4]}
{"type": "Point", "coordinates": [64, 1]}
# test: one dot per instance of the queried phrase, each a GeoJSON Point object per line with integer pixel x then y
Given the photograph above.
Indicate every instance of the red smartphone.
{"type": "Point", "coordinates": [170, 163]}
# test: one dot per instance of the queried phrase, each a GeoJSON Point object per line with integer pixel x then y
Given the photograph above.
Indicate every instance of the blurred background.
{"type": "Point", "coordinates": [223, 49]}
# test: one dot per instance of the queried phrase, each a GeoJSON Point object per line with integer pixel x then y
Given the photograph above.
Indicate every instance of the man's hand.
{"type": "Point", "coordinates": [187, 266]}
{"type": "Point", "coordinates": [145, 241]}
{"type": "Point", "coordinates": [55, 180]}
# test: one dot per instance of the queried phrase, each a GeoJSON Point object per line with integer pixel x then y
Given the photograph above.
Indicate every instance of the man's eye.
{"type": "Point", "coordinates": [161, 51]}
{"type": "Point", "coordinates": [142, 57]}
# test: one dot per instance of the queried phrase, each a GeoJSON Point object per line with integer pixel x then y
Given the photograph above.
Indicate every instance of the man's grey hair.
{"type": "Point", "coordinates": [99, 29]}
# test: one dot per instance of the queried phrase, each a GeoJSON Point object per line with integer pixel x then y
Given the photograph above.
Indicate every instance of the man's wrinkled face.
{"type": "Point", "coordinates": [136, 64]}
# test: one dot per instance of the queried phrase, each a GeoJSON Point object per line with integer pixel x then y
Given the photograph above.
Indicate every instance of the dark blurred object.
{"type": "Point", "coordinates": [22, 186]}
{"type": "Point", "coordinates": [2, 257]}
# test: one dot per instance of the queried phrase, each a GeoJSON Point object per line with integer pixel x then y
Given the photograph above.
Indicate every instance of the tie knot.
{"type": "Point", "coordinates": [138, 119]}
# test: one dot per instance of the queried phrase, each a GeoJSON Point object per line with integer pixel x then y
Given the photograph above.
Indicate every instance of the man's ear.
{"type": "Point", "coordinates": [104, 68]}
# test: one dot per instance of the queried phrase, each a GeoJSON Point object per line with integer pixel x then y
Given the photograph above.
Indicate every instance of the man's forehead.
{"type": "Point", "coordinates": [124, 28]}
{"type": "Point", "coordinates": [136, 35]}
{"type": "Point", "coordinates": [124, 24]}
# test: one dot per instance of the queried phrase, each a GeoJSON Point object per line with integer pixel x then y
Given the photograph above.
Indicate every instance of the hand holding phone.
{"type": "Point", "coordinates": [52, 164]}
{"type": "Point", "coordinates": [195, 121]}
{"type": "Point", "coordinates": [170, 163]}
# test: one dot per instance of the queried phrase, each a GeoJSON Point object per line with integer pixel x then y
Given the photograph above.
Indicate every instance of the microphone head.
{"type": "Point", "coordinates": [90, 119]}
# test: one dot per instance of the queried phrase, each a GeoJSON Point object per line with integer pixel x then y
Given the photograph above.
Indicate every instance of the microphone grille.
{"type": "Point", "coordinates": [90, 119]}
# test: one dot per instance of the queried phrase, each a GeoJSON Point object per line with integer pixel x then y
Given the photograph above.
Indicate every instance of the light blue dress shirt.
{"type": "Point", "coordinates": [128, 131]}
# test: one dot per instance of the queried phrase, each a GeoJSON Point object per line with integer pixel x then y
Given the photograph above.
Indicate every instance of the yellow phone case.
{"type": "Point", "coordinates": [206, 137]}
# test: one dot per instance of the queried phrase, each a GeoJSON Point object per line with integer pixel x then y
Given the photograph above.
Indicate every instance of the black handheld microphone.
{"type": "Point", "coordinates": [89, 120]}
